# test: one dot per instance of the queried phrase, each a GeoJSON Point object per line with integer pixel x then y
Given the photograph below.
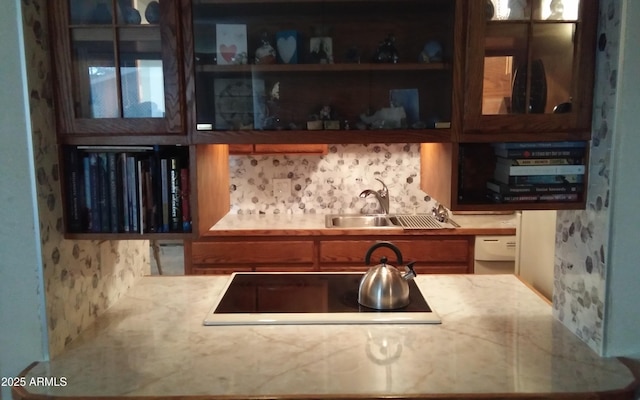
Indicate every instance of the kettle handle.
{"type": "Point", "coordinates": [389, 245]}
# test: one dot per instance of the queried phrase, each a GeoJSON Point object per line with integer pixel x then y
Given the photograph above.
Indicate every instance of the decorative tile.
{"type": "Point", "coordinates": [331, 183]}
{"type": "Point", "coordinates": [582, 237]}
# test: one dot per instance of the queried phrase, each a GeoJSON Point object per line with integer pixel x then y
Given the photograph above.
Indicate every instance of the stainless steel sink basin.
{"type": "Point", "coordinates": [378, 221]}
{"type": "Point", "coordinates": [356, 221]}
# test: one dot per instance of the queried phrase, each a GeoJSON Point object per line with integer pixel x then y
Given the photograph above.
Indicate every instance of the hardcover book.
{"type": "Point", "coordinates": [540, 153]}
{"type": "Point", "coordinates": [500, 198]}
{"type": "Point", "coordinates": [539, 179]}
{"type": "Point", "coordinates": [503, 188]}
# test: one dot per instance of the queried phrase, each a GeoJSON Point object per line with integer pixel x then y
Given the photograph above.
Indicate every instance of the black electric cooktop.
{"type": "Point", "coordinates": [303, 293]}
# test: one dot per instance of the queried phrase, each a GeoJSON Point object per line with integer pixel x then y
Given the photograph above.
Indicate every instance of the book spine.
{"type": "Point", "coordinates": [103, 193]}
{"type": "Point", "coordinates": [541, 179]}
{"type": "Point", "coordinates": [540, 145]}
{"type": "Point", "coordinates": [74, 190]}
{"type": "Point", "coordinates": [519, 170]}
{"type": "Point", "coordinates": [185, 198]}
{"type": "Point", "coordinates": [86, 166]}
{"type": "Point", "coordinates": [540, 153]}
{"type": "Point", "coordinates": [175, 214]}
{"type": "Point", "coordinates": [501, 188]}
{"type": "Point", "coordinates": [114, 204]}
{"type": "Point", "coordinates": [500, 198]}
{"type": "Point", "coordinates": [124, 182]}
{"type": "Point", "coordinates": [94, 182]}
{"type": "Point", "coordinates": [539, 161]}
{"type": "Point", "coordinates": [164, 167]}
{"type": "Point", "coordinates": [132, 193]}
{"type": "Point", "coordinates": [142, 221]}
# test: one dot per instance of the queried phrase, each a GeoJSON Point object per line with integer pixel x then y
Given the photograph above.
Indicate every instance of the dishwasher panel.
{"type": "Point", "coordinates": [495, 254]}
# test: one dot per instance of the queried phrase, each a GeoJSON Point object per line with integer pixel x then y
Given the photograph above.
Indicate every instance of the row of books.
{"type": "Point", "coordinates": [538, 172]}
{"type": "Point", "coordinates": [127, 189]}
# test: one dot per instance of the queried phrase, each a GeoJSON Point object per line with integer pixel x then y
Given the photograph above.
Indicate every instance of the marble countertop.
{"type": "Point", "coordinates": [497, 336]}
{"type": "Point", "coordinates": [315, 223]}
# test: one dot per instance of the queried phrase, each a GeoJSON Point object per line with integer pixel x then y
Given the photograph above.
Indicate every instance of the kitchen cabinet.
{"type": "Point", "coordinates": [307, 71]}
{"type": "Point", "coordinates": [118, 71]}
{"type": "Point", "coordinates": [529, 71]}
{"type": "Point", "coordinates": [452, 254]}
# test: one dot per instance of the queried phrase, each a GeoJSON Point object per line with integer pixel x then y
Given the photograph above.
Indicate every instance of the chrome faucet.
{"type": "Point", "coordinates": [381, 195]}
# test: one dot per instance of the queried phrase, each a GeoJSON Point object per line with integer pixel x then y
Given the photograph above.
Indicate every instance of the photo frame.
{"type": "Point", "coordinates": [231, 44]}
{"type": "Point", "coordinates": [407, 99]}
{"type": "Point", "coordinates": [321, 50]}
{"type": "Point", "coordinates": [239, 104]}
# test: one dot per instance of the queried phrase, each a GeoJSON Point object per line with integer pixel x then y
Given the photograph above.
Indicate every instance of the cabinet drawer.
{"type": "Point", "coordinates": [433, 250]}
{"type": "Point", "coordinates": [252, 252]}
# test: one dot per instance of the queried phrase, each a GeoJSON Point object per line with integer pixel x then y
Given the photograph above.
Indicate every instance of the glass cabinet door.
{"type": "Point", "coordinates": [536, 63]}
{"type": "Point", "coordinates": [333, 66]}
{"type": "Point", "coordinates": [119, 73]}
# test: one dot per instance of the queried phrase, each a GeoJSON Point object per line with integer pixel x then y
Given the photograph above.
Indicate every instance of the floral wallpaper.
{"type": "Point", "coordinates": [582, 236]}
{"type": "Point", "coordinates": [82, 278]}
{"type": "Point", "coordinates": [331, 183]}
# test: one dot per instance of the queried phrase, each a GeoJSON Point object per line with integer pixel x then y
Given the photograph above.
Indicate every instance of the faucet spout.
{"type": "Point", "coordinates": [381, 195]}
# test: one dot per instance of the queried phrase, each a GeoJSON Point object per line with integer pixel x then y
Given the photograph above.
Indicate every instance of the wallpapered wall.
{"type": "Point", "coordinates": [331, 183]}
{"type": "Point", "coordinates": [582, 236]}
{"type": "Point", "coordinates": [82, 278]}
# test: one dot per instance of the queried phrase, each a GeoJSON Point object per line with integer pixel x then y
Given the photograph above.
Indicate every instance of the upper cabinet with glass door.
{"type": "Point", "coordinates": [320, 71]}
{"type": "Point", "coordinates": [117, 67]}
{"type": "Point", "coordinates": [530, 68]}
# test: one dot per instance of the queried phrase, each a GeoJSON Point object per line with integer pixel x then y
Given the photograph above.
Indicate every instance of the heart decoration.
{"type": "Point", "coordinates": [228, 52]}
{"type": "Point", "coordinates": [286, 48]}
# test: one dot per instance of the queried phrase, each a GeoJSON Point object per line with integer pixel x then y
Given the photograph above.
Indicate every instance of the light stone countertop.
{"type": "Point", "coordinates": [497, 336]}
{"type": "Point", "coordinates": [315, 223]}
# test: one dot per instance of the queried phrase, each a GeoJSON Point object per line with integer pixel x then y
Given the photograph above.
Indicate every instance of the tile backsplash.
{"type": "Point", "coordinates": [330, 183]}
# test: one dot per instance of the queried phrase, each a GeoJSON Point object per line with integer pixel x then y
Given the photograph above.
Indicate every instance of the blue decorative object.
{"type": "Point", "coordinates": [432, 52]}
{"type": "Point", "coordinates": [287, 47]}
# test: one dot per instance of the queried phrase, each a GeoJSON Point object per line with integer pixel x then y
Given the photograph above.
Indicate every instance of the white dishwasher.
{"type": "Point", "coordinates": [495, 254]}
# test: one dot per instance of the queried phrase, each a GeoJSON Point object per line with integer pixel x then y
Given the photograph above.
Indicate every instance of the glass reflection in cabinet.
{"type": "Point", "coordinates": [136, 88]}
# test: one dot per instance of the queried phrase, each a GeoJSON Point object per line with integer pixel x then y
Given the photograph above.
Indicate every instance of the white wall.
{"type": "Point", "coordinates": [622, 314]}
{"type": "Point", "coordinates": [22, 320]}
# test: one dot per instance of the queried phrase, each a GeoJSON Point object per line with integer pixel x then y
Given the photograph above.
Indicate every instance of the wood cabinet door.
{"type": "Point", "coordinates": [117, 69]}
{"type": "Point", "coordinates": [529, 71]}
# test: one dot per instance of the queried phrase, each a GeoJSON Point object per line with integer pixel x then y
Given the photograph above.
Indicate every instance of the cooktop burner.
{"type": "Point", "coordinates": [307, 298]}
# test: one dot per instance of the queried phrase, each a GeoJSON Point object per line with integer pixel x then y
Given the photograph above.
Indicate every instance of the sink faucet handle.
{"type": "Point", "coordinates": [384, 191]}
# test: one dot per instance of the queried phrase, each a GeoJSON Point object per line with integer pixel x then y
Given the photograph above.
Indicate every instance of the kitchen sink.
{"type": "Point", "coordinates": [360, 221]}
{"type": "Point", "coordinates": [378, 221]}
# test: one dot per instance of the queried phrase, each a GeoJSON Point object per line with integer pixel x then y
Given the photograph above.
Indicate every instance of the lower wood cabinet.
{"type": "Point", "coordinates": [432, 254]}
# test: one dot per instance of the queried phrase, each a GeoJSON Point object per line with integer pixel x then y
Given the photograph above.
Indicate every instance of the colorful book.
{"type": "Point", "coordinates": [504, 171]}
{"type": "Point", "coordinates": [164, 177]}
{"type": "Point", "coordinates": [94, 182]}
{"type": "Point", "coordinates": [124, 182]}
{"type": "Point", "coordinates": [73, 172]}
{"type": "Point", "coordinates": [185, 198]}
{"type": "Point", "coordinates": [532, 198]}
{"type": "Point", "coordinates": [539, 179]}
{"type": "Point", "coordinates": [503, 188]}
{"type": "Point", "coordinates": [540, 145]}
{"type": "Point", "coordinates": [114, 203]}
{"type": "Point", "coordinates": [541, 161]}
{"type": "Point", "coordinates": [540, 152]}
{"type": "Point", "coordinates": [175, 206]}
{"type": "Point", "coordinates": [86, 168]}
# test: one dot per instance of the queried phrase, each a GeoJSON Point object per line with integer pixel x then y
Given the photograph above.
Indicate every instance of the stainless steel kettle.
{"type": "Point", "coordinates": [384, 287]}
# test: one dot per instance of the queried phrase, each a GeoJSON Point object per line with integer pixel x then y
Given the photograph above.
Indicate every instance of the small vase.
{"type": "Point", "coordinates": [152, 12]}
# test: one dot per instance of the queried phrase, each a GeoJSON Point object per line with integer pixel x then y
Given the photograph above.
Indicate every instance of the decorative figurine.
{"type": "Point", "coordinates": [265, 54]}
{"type": "Point", "coordinates": [387, 52]}
{"type": "Point", "coordinates": [432, 52]}
{"type": "Point", "coordinates": [557, 10]}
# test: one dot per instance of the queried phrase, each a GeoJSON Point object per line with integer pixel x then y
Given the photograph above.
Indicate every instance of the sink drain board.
{"type": "Point", "coordinates": [419, 221]}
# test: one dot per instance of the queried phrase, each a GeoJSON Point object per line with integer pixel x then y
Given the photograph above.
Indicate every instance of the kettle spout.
{"type": "Point", "coordinates": [410, 272]}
